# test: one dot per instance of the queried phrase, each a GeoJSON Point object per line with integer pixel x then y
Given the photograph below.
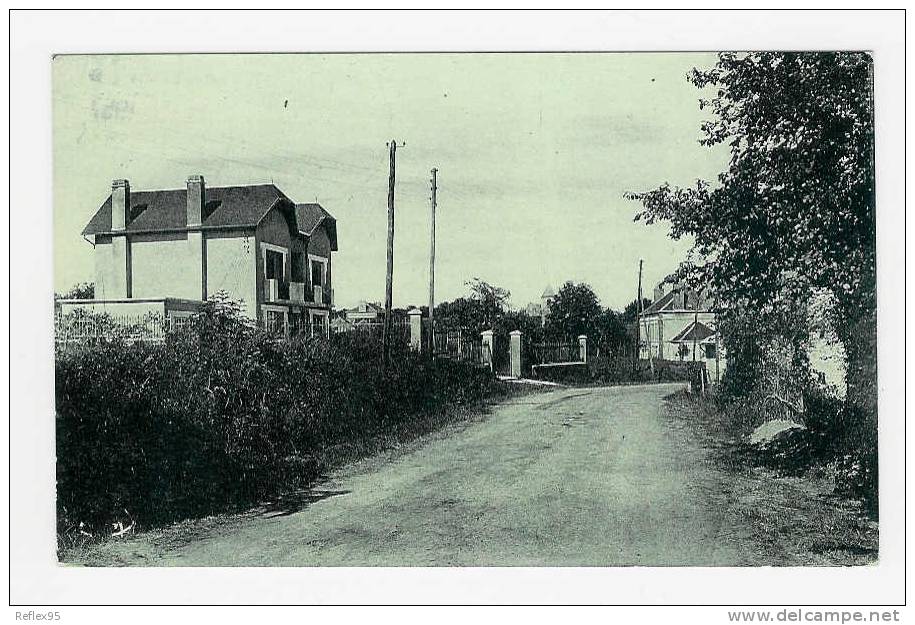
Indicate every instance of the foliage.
{"type": "Point", "coordinates": [222, 415]}
{"type": "Point", "coordinates": [81, 290]}
{"type": "Point", "coordinates": [795, 208]}
{"type": "Point", "coordinates": [793, 215]}
{"type": "Point", "coordinates": [833, 434]}
{"type": "Point", "coordinates": [573, 311]}
{"type": "Point", "coordinates": [766, 356]}
{"type": "Point", "coordinates": [481, 310]}
{"type": "Point", "coordinates": [630, 313]}
{"type": "Point", "coordinates": [576, 311]}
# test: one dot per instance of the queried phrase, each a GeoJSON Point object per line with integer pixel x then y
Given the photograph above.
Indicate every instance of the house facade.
{"type": "Point", "coordinates": [364, 312]}
{"type": "Point", "coordinates": [542, 308]}
{"type": "Point", "coordinates": [680, 325]}
{"type": "Point", "coordinates": [251, 242]}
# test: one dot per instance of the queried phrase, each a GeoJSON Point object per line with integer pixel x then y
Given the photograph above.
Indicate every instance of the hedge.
{"type": "Point", "coordinates": [222, 415]}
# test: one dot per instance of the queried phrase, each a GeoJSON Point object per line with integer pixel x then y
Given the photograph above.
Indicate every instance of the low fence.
{"type": "Point", "coordinates": [400, 330]}
{"type": "Point", "coordinates": [556, 352]}
{"type": "Point", "coordinates": [89, 328]}
{"type": "Point", "coordinates": [458, 343]}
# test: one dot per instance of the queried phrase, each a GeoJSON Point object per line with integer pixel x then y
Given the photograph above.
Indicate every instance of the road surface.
{"type": "Point", "coordinates": [588, 476]}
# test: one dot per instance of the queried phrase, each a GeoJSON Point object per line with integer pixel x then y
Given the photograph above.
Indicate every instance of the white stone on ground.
{"type": "Point", "coordinates": [770, 429]}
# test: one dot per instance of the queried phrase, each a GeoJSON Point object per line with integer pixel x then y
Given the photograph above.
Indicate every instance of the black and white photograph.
{"type": "Point", "coordinates": [611, 309]}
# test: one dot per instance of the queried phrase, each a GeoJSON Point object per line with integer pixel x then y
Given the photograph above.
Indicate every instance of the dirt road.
{"type": "Point", "coordinates": [572, 477]}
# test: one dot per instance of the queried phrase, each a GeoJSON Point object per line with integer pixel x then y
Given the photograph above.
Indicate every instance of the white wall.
{"type": "Point", "coordinates": [111, 269]}
{"type": "Point", "coordinates": [165, 269]}
{"type": "Point", "coordinates": [231, 268]}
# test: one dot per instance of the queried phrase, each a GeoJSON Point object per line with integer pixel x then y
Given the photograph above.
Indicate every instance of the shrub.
{"type": "Point", "coordinates": [837, 434]}
{"type": "Point", "coordinates": [221, 415]}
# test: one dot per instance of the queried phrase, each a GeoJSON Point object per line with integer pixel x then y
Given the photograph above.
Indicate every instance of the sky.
{"type": "Point", "coordinates": [534, 155]}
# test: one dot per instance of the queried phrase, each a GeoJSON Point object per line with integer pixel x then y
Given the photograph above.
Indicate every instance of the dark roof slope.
{"type": "Point", "coordinates": [310, 216]}
{"type": "Point", "coordinates": [167, 209]}
{"type": "Point", "coordinates": [694, 332]}
{"type": "Point", "coordinates": [661, 304]}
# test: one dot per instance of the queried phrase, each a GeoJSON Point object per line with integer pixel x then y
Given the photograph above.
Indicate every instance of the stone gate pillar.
{"type": "Point", "coordinates": [583, 348]}
{"type": "Point", "coordinates": [416, 329]}
{"type": "Point", "coordinates": [487, 347]}
{"type": "Point", "coordinates": [515, 347]}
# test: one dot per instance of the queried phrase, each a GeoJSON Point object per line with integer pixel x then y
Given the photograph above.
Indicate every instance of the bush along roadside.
{"type": "Point", "coordinates": [836, 434]}
{"type": "Point", "coordinates": [221, 416]}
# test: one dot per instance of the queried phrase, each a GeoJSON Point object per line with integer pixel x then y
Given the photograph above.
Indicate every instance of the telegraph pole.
{"type": "Point", "coordinates": [638, 315]}
{"type": "Point", "coordinates": [647, 337]}
{"type": "Point", "coordinates": [389, 276]}
{"type": "Point", "coordinates": [432, 269]}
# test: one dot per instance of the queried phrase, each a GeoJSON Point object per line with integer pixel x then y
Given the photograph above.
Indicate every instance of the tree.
{"type": "Point", "coordinates": [81, 290]}
{"type": "Point", "coordinates": [612, 334]}
{"type": "Point", "coordinates": [794, 212]}
{"type": "Point", "coordinates": [631, 312]}
{"type": "Point", "coordinates": [573, 311]}
{"type": "Point", "coordinates": [480, 311]}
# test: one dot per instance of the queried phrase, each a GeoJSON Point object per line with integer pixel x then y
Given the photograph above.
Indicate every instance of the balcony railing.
{"type": "Point", "coordinates": [297, 292]}
{"type": "Point", "coordinates": [279, 291]}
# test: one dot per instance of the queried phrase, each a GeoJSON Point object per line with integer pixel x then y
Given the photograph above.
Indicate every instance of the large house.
{"type": "Point", "coordinates": [679, 325]}
{"type": "Point", "coordinates": [168, 250]}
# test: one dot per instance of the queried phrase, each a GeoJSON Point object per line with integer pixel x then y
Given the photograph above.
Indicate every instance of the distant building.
{"type": "Point", "coordinates": [542, 308]}
{"type": "Point", "coordinates": [340, 324]}
{"type": "Point", "coordinates": [364, 312]}
{"type": "Point", "coordinates": [679, 325]}
{"type": "Point", "coordinates": [176, 247]}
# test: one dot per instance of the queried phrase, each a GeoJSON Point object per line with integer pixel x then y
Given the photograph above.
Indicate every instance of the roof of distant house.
{"type": "Point", "coordinates": [660, 304]}
{"type": "Point", "coordinates": [365, 307]}
{"type": "Point", "coordinates": [695, 332]}
{"type": "Point", "coordinates": [237, 206]}
{"type": "Point", "coordinates": [548, 292]}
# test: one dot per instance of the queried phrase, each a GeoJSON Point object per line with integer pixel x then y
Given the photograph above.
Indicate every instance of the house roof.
{"type": "Point", "coordinates": [661, 304]}
{"type": "Point", "coordinates": [309, 218]}
{"type": "Point", "coordinates": [548, 292]}
{"type": "Point", "coordinates": [167, 209]}
{"type": "Point", "coordinates": [695, 332]}
{"type": "Point", "coordinates": [238, 206]}
{"type": "Point", "coordinates": [365, 307]}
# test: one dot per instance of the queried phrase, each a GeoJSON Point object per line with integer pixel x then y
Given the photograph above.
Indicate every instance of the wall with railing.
{"type": "Point", "coordinates": [81, 328]}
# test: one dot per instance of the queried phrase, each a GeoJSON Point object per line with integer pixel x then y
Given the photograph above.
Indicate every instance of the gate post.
{"type": "Point", "coordinates": [487, 347]}
{"type": "Point", "coordinates": [416, 329]}
{"type": "Point", "coordinates": [515, 348]}
{"type": "Point", "coordinates": [583, 348]}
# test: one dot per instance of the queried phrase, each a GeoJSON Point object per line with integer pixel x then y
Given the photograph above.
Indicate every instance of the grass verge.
{"type": "Point", "coordinates": [795, 520]}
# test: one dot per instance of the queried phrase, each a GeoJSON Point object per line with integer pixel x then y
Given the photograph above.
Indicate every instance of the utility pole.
{"type": "Point", "coordinates": [638, 314]}
{"type": "Point", "coordinates": [389, 276]}
{"type": "Point", "coordinates": [695, 321]}
{"type": "Point", "coordinates": [647, 337]}
{"type": "Point", "coordinates": [432, 269]}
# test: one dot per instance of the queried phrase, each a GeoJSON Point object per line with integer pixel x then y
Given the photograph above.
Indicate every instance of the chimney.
{"type": "Point", "coordinates": [196, 198]}
{"type": "Point", "coordinates": [658, 292]}
{"type": "Point", "coordinates": [120, 204]}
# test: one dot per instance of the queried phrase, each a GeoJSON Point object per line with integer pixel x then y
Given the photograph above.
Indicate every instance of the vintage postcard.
{"type": "Point", "coordinates": [465, 309]}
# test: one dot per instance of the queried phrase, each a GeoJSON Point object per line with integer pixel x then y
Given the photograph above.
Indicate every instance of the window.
{"type": "Point", "coordinates": [275, 321]}
{"type": "Point", "coordinates": [317, 273]}
{"type": "Point", "coordinates": [274, 265]}
{"type": "Point", "coordinates": [319, 325]}
{"type": "Point", "coordinates": [710, 350]}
